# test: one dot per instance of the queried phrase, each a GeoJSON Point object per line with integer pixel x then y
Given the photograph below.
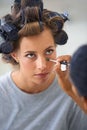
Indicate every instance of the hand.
{"type": "Point", "coordinates": [63, 76]}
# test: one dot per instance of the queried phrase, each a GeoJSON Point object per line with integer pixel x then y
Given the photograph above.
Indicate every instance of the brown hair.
{"type": "Point", "coordinates": [31, 20]}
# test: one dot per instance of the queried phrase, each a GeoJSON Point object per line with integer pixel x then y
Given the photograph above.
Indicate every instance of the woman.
{"type": "Point", "coordinates": [30, 96]}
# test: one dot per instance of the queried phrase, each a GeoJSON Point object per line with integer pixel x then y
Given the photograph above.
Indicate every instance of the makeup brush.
{"type": "Point", "coordinates": [48, 59]}
{"type": "Point", "coordinates": [55, 61]}
{"type": "Point", "coordinates": [63, 63]}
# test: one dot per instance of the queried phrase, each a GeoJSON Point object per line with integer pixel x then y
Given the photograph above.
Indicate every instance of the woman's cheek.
{"type": "Point", "coordinates": [26, 63]}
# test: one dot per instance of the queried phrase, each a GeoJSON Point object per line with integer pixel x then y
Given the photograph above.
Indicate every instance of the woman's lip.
{"type": "Point", "coordinates": [41, 74]}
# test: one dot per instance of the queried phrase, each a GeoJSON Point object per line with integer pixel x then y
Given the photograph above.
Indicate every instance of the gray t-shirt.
{"type": "Point", "coordinates": [51, 109]}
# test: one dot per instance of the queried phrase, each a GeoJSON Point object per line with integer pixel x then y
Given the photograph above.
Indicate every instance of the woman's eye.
{"type": "Point", "coordinates": [30, 55]}
{"type": "Point", "coordinates": [48, 52]}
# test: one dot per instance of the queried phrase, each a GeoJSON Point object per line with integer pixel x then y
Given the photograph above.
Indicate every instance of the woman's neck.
{"type": "Point", "coordinates": [29, 87]}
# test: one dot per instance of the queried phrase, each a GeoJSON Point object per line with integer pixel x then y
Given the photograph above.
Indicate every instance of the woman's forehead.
{"type": "Point", "coordinates": [44, 37]}
{"type": "Point", "coordinates": [32, 45]}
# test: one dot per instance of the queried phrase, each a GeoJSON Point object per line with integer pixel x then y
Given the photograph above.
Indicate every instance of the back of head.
{"type": "Point", "coordinates": [27, 18]}
{"type": "Point", "coordinates": [78, 70]}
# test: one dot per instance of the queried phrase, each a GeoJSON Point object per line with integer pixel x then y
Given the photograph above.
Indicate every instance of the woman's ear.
{"type": "Point", "coordinates": [15, 56]}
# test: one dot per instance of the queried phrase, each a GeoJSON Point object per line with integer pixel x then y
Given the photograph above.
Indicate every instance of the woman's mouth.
{"type": "Point", "coordinates": [41, 75]}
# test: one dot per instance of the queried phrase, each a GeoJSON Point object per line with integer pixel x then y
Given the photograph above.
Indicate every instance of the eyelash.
{"type": "Point", "coordinates": [31, 55]}
{"type": "Point", "coordinates": [50, 51]}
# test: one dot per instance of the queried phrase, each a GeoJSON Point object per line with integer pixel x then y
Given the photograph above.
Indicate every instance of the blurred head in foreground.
{"type": "Point", "coordinates": [78, 73]}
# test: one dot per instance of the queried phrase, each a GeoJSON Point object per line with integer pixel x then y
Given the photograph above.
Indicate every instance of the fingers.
{"type": "Point", "coordinates": [63, 63]}
{"type": "Point", "coordinates": [64, 58]}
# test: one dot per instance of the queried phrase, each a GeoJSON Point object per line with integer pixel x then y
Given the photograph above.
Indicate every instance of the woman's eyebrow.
{"type": "Point", "coordinates": [36, 51]}
{"type": "Point", "coordinates": [30, 52]}
{"type": "Point", "coordinates": [49, 47]}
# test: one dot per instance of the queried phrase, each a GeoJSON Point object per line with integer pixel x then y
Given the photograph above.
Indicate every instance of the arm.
{"type": "Point", "coordinates": [65, 83]}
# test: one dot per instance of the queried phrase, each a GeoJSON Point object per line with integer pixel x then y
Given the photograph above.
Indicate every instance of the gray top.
{"type": "Point", "coordinates": [51, 109]}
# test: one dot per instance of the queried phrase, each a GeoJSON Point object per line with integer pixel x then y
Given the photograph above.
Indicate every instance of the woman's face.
{"type": "Point", "coordinates": [32, 56]}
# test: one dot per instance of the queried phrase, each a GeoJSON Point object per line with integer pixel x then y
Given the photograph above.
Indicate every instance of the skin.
{"type": "Point", "coordinates": [35, 74]}
{"type": "Point", "coordinates": [82, 99]}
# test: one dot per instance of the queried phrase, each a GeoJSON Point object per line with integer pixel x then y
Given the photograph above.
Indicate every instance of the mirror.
{"type": "Point", "coordinates": [76, 27]}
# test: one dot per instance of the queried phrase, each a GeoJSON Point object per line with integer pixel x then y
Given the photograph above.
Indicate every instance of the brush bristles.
{"type": "Point", "coordinates": [47, 59]}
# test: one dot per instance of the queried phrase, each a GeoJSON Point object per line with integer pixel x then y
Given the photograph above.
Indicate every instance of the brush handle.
{"type": "Point", "coordinates": [65, 63]}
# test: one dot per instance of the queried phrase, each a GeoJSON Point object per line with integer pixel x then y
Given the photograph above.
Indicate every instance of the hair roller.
{"type": "Point", "coordinates": [64, 16]}
{"type": "Point", "coordinates": [31, 11]}
{"type": "Point", "coordinates": [15, 8]}
{"type": "Point", "coordinates": [49, 15]}
{"type": "Point", "coordinates": [61, 37]}
{"type": "Point", "coordinates": [32, 3]}
{"type": "Point", "coordinates": [31, 14]}
{"type": "Point", "coordinates": [17, 1]}
{"type": "Point", "coordinates": [54, 20]}
{"type": "Point", "coordinates": [8, 33]}
{"type": "Point", "coordinates": [55, 24]}
{"type": "Point", "coordinates": [6, 48]}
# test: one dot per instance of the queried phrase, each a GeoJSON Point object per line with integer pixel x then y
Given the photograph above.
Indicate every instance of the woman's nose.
{"type": "Point", "coordinates": [41, 63]}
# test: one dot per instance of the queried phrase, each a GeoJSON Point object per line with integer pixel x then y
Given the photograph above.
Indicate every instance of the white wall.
{"type": "Point", "coordinates": [76, 27]}
{"type": "Point", "coordinates": [77, 33]}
